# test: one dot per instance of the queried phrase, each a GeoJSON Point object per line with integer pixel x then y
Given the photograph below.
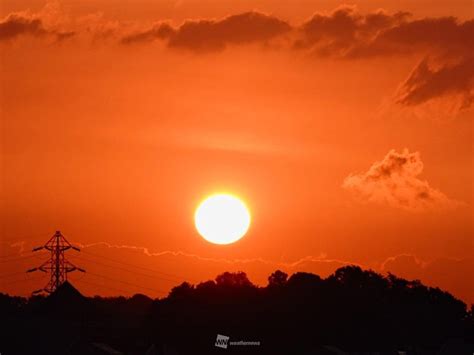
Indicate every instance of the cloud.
{"type": "Point", "coordinates": [345, 33]}
{"type": "Point", "coordinates": [338, 33]}
{"type": "Point", "coordinates": [21, 24]}
{"type": "Point", "coordinates": [307, 260]}
{"type": "Point", "coordinates": [426, 83]}
{"type": "Point", "coordinates": [445, 43]}
{"type": "Point", "coordinates": [157, 31]}
{"type": "Point", "coordinates": [443, 36]}
{"type": "Point", "coordinates": [15, 25]}
{"type": "Point", "coordinates": [394, 181]}
{"type": "Point", "coordinates": [214, 35]}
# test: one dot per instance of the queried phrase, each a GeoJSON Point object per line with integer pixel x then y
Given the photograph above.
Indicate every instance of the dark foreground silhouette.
{"type": "Point", "coordinates": [351, 312]}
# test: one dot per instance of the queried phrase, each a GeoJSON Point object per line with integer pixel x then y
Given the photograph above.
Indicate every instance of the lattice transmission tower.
{"type": "Point", "coordinates": [57, 265]}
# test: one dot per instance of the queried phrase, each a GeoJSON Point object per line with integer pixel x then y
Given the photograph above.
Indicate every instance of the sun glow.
{"type": "Point", "coordinates": [222, 219]}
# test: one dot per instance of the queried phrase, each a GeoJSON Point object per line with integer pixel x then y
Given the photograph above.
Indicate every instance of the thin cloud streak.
{"type": "Point", "coordinates": [147, 252]}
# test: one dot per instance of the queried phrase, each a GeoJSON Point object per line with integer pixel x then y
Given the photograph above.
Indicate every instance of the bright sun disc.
{"type": "Point", "coordinates": [222, 219]}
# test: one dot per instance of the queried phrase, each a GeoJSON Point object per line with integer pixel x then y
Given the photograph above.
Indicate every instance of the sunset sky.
{"type": "Point", "coordinates": [346, 128]}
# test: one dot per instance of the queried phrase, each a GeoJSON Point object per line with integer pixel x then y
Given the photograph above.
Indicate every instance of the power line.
{"type": "Point", "coordinates": [11, 274]}
{"type": "Point", "coordinates": [102, 286]}
{"type": "Point", "coordinates": [178, 277]}
{"type": "Point", "coordinates": [21, 239]}
{"type": "Point", "coordinates": [9, 255]}
{"type": "Point", "coordinates": [127, 270]}
{"type": "Point", "coordinates": [110, 287]}
{"type": "Point", "coordinates": [58, 266]}
{"type": "Point", "coordinates": [20, 257]}
{"type": "Point", "coordinates": [23, 280]}
{"type": "Point", "coordinates": [126, 283]}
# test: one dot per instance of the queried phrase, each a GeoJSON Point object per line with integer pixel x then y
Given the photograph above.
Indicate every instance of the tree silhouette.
{"type": "Point", "coordinates": [353, 309]}
{"type": "Point", "coordinates": [233, 279]}
{"type": "Point", "coordinates": [277, 279]}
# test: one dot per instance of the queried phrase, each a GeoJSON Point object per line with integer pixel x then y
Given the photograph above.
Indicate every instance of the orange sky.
{"type": "Point", "coordinates": [346, 129]}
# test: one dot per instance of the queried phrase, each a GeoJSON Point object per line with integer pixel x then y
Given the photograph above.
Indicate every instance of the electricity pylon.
{"type": "Point", "coordinates": [57, 265]}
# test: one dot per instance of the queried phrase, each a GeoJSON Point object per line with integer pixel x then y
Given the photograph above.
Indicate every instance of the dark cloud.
{"type": "Point", "coordinates": [425, 83]}
{"type": "Point", "coordinates": [158, 31]}
{"type": "Point", "coordinates": [19, 24]}
{"type": "Point", "coordinates": [394, 181]}
{"type": "Point", "coordinates": [339, 32]}
{"type": "Point", "coordinates": [212, 35]}
{"type": "Point", "coordinates": [345, 33]}
{"type": "Point", "coordinates": [438, 36]}
{"type": "Point", "coordinates": [15, 25]}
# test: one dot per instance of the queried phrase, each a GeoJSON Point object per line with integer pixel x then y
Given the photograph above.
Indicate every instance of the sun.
{"type": "Point", "coordinates": [222, 219]}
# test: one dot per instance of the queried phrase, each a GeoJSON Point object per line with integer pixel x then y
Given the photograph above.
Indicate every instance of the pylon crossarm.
{"type": "Point", "coordinates": [65, 241]}
{"type": "Point", "coordinates": [45, 266]}
{"type": "Point", "coordinates": [71, 267]}
{"type": "Point", "coordinates": [74, 268]}
{"type": "Point", "coordinates": [51, 240]}
{"type": "Point", "coordinates": [38, 248]}
{"type": "Point", "coordinates": [67, 244]}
